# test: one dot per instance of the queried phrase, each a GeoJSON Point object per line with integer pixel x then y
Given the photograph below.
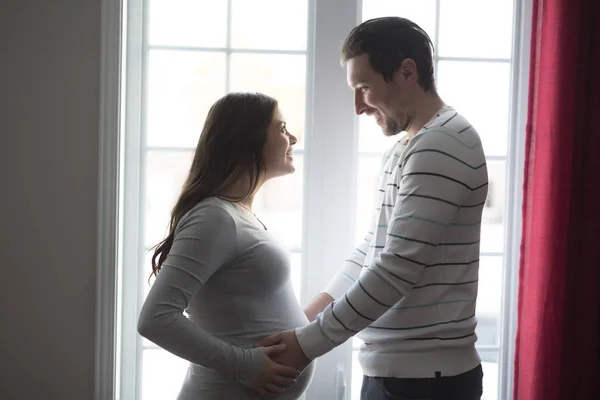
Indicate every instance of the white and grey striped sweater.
{"type": "Point", "coordinates": [410, 287]}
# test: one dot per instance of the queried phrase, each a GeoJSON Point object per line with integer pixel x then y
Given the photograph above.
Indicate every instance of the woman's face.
{"type": "Point", "coordinates": [277, 153]}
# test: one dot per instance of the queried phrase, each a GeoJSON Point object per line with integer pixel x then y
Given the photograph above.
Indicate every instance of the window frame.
{"type": "Point", "coordinates": [523, 11]}
{"type": "Point", "coordinates": [121, 187]}
{"type": "Point", "coordinates": [110, 119]}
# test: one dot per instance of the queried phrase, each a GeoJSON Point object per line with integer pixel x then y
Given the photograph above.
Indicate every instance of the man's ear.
{"type": "Point", "coordinates": [407, 74]}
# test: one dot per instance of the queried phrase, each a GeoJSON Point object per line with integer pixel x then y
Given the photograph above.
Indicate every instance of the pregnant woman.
{"type": "Point", "coordinates": [221, 265]}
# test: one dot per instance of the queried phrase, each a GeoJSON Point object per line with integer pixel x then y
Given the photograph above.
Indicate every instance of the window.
{"type": "Point", "coordinates": [182, 55]}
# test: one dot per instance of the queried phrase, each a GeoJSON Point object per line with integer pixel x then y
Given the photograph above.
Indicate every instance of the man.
{"type": "Point", "coordinates": [409, 290]}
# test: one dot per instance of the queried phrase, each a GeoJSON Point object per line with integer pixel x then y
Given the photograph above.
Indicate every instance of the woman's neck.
{"type": "Point", "coordinates": [240, 190]}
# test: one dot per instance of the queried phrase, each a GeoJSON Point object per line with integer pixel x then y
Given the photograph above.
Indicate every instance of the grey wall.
{"type": "Point", "coordinates": [49, 100]}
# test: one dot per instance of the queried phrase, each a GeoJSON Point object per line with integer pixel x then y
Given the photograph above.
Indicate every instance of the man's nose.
{"type": "Point", "coordinates": [359, 104]}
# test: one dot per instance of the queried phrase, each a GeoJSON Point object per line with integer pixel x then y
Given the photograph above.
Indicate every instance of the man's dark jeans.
{"type": "Point", "coordinates": [467, 386]}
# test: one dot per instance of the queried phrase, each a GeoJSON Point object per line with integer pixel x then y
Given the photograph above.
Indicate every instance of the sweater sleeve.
{"type": "Point", "coordinates": [204, 242]}
{"type": "Point", "coordinates": [353, 265]}
{"type": "Point", "coordinates": [415, 229]}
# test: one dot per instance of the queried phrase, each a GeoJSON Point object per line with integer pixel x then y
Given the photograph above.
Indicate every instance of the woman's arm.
{"type": "Point", "coordinates": [162, 321]}
{"type": "Point", "coordinates": [317, 305]}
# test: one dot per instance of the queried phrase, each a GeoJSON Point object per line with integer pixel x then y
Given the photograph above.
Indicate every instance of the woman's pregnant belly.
{"type": "Point", "coordinates": [294, 392]}
{"type": "Point", "coordinates": [205, 384]}
{"type": "Point", "coordinates": [243, 324]}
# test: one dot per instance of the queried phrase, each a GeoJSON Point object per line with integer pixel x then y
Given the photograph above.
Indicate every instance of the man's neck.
{"type": "Point", "coordinates": [425, 108]}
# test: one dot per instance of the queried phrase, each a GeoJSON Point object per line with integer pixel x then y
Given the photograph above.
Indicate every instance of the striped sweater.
{"type": "Point", "coordinates": [409, 290]}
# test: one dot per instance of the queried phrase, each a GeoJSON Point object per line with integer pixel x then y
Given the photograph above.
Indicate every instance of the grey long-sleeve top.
{"type": "Point", "coordinates": [232, 278]}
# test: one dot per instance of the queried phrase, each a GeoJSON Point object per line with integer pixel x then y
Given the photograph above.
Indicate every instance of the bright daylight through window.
{"type": "Point", "coordinates": [182, 55]}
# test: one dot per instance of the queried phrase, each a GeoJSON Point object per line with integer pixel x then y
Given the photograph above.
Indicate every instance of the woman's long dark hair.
{"type": "Point", "coordinates": [230, 147]}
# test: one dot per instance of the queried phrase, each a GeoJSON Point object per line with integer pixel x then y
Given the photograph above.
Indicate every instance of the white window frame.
{"type": "Point", "coordinates": [331, 157]}
{"type": "Point", "coordinates": [107, 284]}
{"type": "Point", "coordinates": [515, 162]}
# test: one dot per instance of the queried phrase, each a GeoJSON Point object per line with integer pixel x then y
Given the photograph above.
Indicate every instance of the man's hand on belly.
{"type": "Point", "coordinates": [293, 355]}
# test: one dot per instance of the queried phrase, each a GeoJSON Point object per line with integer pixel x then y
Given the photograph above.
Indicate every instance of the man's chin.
{"type": "Point", "coordinates": [388, 132]}
{"type": "Point", "coordinates": [386, 129]}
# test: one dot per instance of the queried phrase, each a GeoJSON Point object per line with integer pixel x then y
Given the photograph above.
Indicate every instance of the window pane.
{"type": "Point", "coordinates": [200, 23]}
{"type": "Point", "coordinates": [490, 375]}
{"type": "Point", "coordinates": [479, 91]}
{"type": "Point", "coordinates": [357, 377]}
{"type": "Point", "coordinates": [279, 206]}
{"type": "Point", "coordinates": [489, 301]}
{"type": "Point", "coordinates": [476, 28]}
{"type": "Point", "coordinates": [162, 374]}
{"type": "Point", "coordinates": [166, 172]}
{"type": "Point", "coordinates": [269, 24]}
{"type": "Point", "coordinates": [182, 87]}
{"type": "Point", "coordinates": [296, 274]}
{"type": "Point", "coordinates": [421, 12]}
{"type": "Point", "coordinates": [371, 137]}
{"type": "Point", "coordinates": [279, 75]}
{"type": "Point", "coordinates": [146, 269]}
{"type": "Point", "coordinates": [492, 227]}
{"type": "Point", "coordinates": [356, 342]}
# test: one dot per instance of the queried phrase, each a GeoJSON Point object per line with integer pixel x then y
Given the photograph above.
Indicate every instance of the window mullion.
{"type": "Point", "coordinates": [514, 196]}
{"type": "Point", "coordinates": [130, 349]}
{"type": "Point", "coordinates": [436, 40]}
{"type": "Point", "coordinates": [329, 179]}
{"type": "Point", "coordinates": [228, 49]}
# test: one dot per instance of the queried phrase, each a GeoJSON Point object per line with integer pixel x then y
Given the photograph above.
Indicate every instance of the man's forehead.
{"type": "Point", "coordinates": [357, 70]}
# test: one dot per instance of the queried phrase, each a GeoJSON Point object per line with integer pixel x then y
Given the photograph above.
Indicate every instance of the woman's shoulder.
{"type": "Point", "coordinates": [214, 204]}
{"type": "Point", "coordinates": [211, 211]}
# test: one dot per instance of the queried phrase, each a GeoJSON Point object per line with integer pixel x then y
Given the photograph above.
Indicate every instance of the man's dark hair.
{"type": "Point", "coordinates": [388, 41]}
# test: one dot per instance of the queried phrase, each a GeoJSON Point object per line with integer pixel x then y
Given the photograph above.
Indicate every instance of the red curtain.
{"type": "Point", "coordinates": [557, 346]}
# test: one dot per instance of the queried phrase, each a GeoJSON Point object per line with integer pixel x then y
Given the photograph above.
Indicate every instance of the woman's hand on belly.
{"type": "Point", "coordinates": [274, 378]}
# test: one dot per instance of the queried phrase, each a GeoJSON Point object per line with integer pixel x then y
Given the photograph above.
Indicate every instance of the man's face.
{"type": "Point", "coordinates": [373, 96]}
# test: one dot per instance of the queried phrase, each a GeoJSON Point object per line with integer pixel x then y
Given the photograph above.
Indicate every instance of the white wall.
{"type": "Point", "coordinates": [49, 99]}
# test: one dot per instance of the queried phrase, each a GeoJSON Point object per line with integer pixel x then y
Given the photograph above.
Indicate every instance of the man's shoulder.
{"type": "Point", "coordinates": [449, 119]}
{"type": "Point", "coordinates": [447, 131]}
